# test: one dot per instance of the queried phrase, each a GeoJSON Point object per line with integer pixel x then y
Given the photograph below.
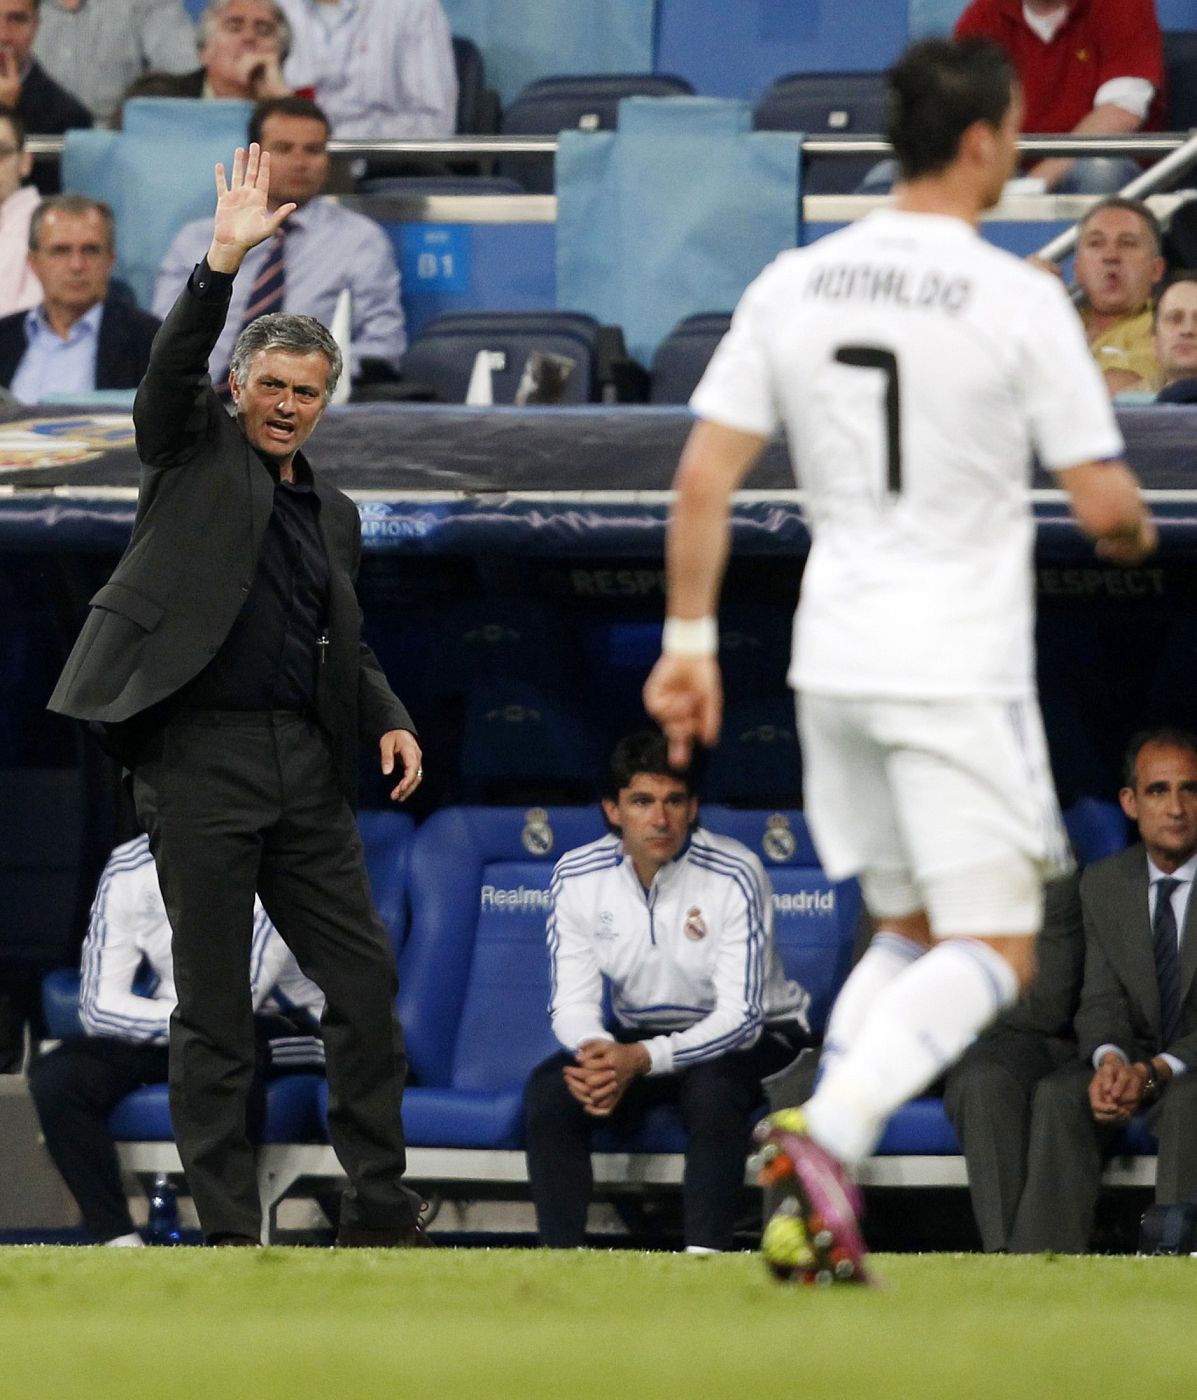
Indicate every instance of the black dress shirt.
{"type": "Point", "coordinates": [270, 658]}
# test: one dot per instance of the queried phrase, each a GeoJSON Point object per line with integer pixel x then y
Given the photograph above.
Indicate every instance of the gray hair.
{"type": "Point", "coordinates": [211, 13]}
{"type": "Point", "coordinates": [296, 335]}
{"type": "Point", "coordinates": [75, 205]}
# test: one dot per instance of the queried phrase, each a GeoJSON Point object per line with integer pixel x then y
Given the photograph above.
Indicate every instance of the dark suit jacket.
{"type": "Point", "coordinates": [122, 354]}
{"type": "Point", "coordinates": [1120, 998]}
{"type": "Point", "coordinates": [204, 503]}
{"type": "Point", "coordinates": [1048, 1006]}
{"type": "Point", "coordinates": [48, 109]}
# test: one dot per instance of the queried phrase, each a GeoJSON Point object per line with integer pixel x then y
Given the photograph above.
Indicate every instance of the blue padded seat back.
{"type": "Point", "coordinates": [826, 104]}
{"type": "Point", "coordinates": [588, 102]}
{"type": "Point", "coordinates": [758, 759]}
{"type": "Point", "coordinates": [156, 173]}
{"type": "Point", "coordinates": [684, 354]}
{"type": "Point", "coordinates": [521, 732]}
{"type": "Point", "coordinates": [1096, 829]}
{"type": "Point", "coordinates": [814, 918]}
{"type": "Point", "coordinates": [504, 1029]}
{"type": "Point", "coordinates": [442, 356]}
{"type": "Point", "coordinates": [477, 881]}
{"type": "Point", "coordinates": [60, 1003]}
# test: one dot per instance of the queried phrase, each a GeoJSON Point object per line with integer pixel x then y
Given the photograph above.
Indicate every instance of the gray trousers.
{"type": "Point", "coordinates": [988, 1097]}
{"type": "Point", "coordinates": [1069, 1149]}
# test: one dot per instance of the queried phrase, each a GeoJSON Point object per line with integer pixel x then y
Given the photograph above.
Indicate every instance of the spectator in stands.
{"type": "Point", "coordinates": [84, 335]}
{"type": "Point", "coordinates": [25, 86]}
{"type": "Point", "coordinates": [988, 1093]}
{"type": "Point", "coordinates": [1137, 1020]}
{"type": "Point", "coordinates": [125, 1002]}
{"type": "Point", "coordinates": [242, 44]}
{"type": "Point", "coordinates": [379, 68]}
{"type": "Point", "coordinates": [1175, 338]}
{"type": "Point", "coordinates": [1118, 261]}
{"type": "Point", "coordinates": [95, 48]}
{"type": "Point", "coordinates": [19, 287]}
{"type": "Point", "coordinates": [679, 924]}
{"type": "Point", "coordinates": [1090, 67]}
{"type": "Point", "coordinates": [325, 249]}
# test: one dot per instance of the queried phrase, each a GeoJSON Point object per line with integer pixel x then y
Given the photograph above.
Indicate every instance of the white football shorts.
{"type": "Point", "coordinates": [942, 805]}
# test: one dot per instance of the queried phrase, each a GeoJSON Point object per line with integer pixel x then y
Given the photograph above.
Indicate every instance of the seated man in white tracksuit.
{"type": "Point", "coordinates": [679, 923]}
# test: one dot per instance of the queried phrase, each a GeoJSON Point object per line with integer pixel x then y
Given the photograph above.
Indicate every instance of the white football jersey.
{"type": "Point", "coordinates": [913, 367]}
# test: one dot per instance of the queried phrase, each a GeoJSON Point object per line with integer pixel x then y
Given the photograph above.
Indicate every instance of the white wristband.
{"type": "Point", "coordinates": [690, 636]}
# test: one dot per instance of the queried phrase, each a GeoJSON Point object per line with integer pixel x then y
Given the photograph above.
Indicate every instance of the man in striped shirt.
{"type": "Point", "coordinates": [678, 923]}
{"type": "Point", "coordinates": [125, 1003]}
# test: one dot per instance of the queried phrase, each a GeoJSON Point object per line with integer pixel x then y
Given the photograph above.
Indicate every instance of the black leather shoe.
{"type": "Point", "coordinates": [243, 1241]}
{"type": "Point", "coordinates": [412, 1236]}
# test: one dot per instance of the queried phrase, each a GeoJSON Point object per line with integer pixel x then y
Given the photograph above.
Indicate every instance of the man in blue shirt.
{"type": "Point", "coordinates": [83, 335]}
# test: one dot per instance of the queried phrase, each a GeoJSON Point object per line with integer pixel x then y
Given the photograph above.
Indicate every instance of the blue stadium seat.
{"type": "Point", "coordinates": [684, 354]}
{"type": "Point", "coordinates": [1096, 829]}
{"type": "Point", "coordinates": [757, 759]}
{"type": "Point", "coordinates": [518, 735]}
{"type": "Point", "coordinates": [442, 356]}
{"type": "Point", "coordinates": [814, 918]}
{"type": "Point", "coordinates": [474, 979]}
{"type": "Point", "coordinates": [586, 102]}
{"type": "Point", "coordinates": [477, 105]}
{"type": "Point", "coordinates": [292, 1112]}
{"type": "Point", "coordinates": [826, 104]}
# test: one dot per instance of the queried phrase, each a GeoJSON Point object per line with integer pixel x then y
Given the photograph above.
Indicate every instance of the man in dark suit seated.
{"type": "Point", "coordinates": [1174, 329]}
{"type": "Point", "coordinates": [1137, 1021]}
{"type": "Point", "coordinates": [83, 336]}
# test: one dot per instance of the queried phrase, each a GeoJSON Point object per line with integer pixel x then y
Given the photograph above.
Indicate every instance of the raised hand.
{"type": "Point", "coordinates": [243, 214]}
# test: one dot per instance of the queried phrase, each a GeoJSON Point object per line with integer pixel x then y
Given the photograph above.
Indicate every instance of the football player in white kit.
{"type": "Point", "coordinates": [913, 368]}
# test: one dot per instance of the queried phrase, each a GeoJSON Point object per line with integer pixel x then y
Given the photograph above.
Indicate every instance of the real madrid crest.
{"type": "Point", "coordinates": [537, 835]}
{"type": "Point", "coordinates": [696, 929]}
{"type": "Point", "coordinates": [778, 841]}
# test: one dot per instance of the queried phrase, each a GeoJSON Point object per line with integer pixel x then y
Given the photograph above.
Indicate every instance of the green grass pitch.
{"type": "Point", "coordinates": [459, 1324]}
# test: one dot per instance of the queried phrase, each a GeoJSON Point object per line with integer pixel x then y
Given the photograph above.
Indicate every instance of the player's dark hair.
{"type": "Point", "coordinates": [291, 106]}
{"type": "Point", "coordinates": [935, 92]}
{"type": "Point", "coordinates": [645, 751]}
{"type": "Point", "coordinates": [1170, 735]}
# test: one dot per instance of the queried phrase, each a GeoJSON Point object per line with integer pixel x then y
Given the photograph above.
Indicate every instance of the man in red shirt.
{"type": "Point", "coordinates": [1090, 67]}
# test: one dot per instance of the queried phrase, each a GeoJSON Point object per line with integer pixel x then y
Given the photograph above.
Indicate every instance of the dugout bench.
{"type": "Point", "coordinates": [465, 898]}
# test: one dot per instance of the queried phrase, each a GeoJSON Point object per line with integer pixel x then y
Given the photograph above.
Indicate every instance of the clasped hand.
{"type": "Point", "coordinates": [603, 1071]}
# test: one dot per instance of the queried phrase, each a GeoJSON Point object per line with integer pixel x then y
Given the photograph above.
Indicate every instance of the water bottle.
{"type": "Point", "coordinates": [162, 1225]}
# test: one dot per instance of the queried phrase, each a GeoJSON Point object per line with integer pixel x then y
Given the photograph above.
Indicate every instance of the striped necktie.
{"type": "Point", "coordinates": [265, 296]}
{"type": "Point", "coordinates": [1167, 958]}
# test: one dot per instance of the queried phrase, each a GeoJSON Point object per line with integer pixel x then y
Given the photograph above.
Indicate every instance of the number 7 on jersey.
{"type": "Point", "coordinates": [885, 361]}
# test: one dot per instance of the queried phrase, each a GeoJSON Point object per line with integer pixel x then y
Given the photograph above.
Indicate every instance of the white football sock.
{"type": "Point", "coordinates": [886, 956]}
{"type": "Point", "coordinates": [918, 1026]}
{"type": "Point", "coordinates": [133, 1241]}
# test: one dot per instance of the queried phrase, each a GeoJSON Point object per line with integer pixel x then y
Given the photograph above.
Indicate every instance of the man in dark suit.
{"type": "Point", "coordinates": [45, 107]}
{"type": "Point", "coordinates": [224, 661]}
{"type": "Point", "coordinates": [1137, 1021]}
{"type": "Point", "coordinates": [82, 336]}
{"type": "Point", "coordinates": [989, 1091]}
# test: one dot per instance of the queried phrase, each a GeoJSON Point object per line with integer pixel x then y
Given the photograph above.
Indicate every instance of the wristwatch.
{"type": "Point", "coordinates": [1153, 1085]}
